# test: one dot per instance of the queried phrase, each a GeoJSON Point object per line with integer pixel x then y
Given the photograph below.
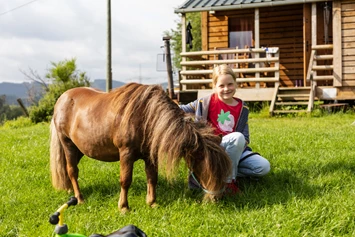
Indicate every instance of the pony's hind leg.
{"type": "Point", "coordinates": [152, 178]}
{"type": "Point", "coordinates": [73, 156]}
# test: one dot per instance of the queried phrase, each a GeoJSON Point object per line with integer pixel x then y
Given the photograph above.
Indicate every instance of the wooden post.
{"type": "Point", "coordinates": [169, 67]}
{"type": "Point", "coordinates": [337, 44]}
{"type": "Point", "coordinates": [277, 65]}
{"type": "Point", "coordinates": [307, 35]}
{"type": "Point", "coordinates": [314, 32]}
{"type": "Point", "coordinates": [257, 42]}
{"type": "Point", "coordinates": [257, 28]}
{"type": "Point", "coordinates": [204, 31]}
{"type": "Point", "coordinates": [183, 41]}
{"type": "Point", "coordinates": [109, 61]}
{"type": "Point", "coordinates": [19, 101]}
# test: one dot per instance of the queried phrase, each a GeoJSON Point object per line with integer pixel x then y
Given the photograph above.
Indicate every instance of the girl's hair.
{"type": "Point", "coordinates": [222, 69]}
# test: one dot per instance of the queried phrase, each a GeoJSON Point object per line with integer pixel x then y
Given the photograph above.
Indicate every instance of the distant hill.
{"type": "Point", "coordinates": [13, 91]}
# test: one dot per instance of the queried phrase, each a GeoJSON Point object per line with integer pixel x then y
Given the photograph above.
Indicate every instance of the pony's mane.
{"type": "Point", "coordinates": [166, 132]}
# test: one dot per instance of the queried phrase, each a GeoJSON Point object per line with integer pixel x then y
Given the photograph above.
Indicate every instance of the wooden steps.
{"type": "Point", "coordinates": [292, 103]}
{"type": "Point", "coordinates": [292, 100]}
{"type": "Point", "coordinates": [289, 111]}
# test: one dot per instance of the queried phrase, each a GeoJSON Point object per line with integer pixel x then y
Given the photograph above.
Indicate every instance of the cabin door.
{"type": "Point", "coordinates": [322, 19]}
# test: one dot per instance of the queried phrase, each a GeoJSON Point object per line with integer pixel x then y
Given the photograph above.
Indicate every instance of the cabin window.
{"type": "Point", "coordinates": [241, 32]}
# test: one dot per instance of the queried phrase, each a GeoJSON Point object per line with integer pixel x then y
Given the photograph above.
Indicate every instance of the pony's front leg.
{"type": "Point", "coordinates": [152, 178]}
{"type": "Point", "coordinates": [126, 171]}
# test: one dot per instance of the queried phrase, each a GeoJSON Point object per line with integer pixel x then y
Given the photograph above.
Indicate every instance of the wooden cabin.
{"type": "Point", "coordinates": [287, 52]}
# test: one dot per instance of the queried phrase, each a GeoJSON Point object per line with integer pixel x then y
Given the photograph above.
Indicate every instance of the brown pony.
{"type": "Point", "coordinates": [129, 123]}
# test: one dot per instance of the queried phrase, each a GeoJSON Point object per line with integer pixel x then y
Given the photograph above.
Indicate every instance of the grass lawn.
{"type": "Point", "coordinates": [310, 190]}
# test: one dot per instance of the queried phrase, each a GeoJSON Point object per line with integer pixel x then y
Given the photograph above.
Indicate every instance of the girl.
{"type": "Point", "coordinates": [229, 116]}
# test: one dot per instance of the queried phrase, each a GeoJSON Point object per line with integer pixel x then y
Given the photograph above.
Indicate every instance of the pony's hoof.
{"type": "Point", "coordinates": [81, 201]}
{"type": "Point", "coordinates": [124, 210]}
{"type": "Point", "coordinates": [154, 205]}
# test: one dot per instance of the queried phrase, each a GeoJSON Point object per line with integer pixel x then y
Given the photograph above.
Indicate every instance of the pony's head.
{"type": "Point", "coordinates": [209, 164]}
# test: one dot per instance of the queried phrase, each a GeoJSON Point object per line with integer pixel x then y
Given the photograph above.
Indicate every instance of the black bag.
{"type": "Point", "coordinates": [127, 231]}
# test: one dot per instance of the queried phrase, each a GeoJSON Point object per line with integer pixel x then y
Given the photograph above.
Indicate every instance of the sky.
{"type": "Point", "coordinates": [34, 33]}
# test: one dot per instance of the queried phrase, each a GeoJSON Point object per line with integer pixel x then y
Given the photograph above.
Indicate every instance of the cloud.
{"type": "Point", "coordinates": [48, 31]}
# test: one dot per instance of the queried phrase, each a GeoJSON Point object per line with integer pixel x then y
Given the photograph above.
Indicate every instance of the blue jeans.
{"type": "Point", "coordinates": [255, 165]}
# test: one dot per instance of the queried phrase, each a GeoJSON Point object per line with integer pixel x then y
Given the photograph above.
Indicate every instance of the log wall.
{"type": "Point", "coordinates": [348, 42]}
{"type": "Point", "coordinates": [283, 26]}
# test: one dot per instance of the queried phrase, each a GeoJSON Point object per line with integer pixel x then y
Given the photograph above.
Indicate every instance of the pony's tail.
{"type": "Point", "coordinates": [58, 163]}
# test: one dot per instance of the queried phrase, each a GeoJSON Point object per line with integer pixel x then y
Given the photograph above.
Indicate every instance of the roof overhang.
{"type": "Point", "coordinates": [198, 6]}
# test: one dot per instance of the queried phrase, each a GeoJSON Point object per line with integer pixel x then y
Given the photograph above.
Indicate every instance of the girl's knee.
{"type": "Point", "coordinates": [239, 139]}
{"type": "Point", "coordinates": [234, 139]}
{"type": "Point", "coordinates": [255, 165]}
{"type": "Point", "coordinates": [264, 168]}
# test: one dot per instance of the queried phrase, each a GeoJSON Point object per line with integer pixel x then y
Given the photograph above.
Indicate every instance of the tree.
{"type": "Point", "coordinates": [64, 76]}
{"type": "Point", "coordinates": [37, 88]}
{"type": "Point", "coordinates": [3, 108]}
{"type": "Point", "coordinates": [8, 112]}
{"type": "Point", "coordinates": [176, 37]}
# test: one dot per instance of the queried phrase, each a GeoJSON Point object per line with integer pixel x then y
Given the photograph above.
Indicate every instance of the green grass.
{"type": "Point", "coordinates": [309, 192]}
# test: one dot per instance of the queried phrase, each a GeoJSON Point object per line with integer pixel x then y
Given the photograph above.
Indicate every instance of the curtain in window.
{"type": "Point", "coordinates": [240, 32]}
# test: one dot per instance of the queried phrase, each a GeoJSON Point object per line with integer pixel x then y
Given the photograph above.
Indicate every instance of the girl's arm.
{"type": "Point", "coordinates": [245, 132]}
{"type": "Point", "coordinates": [190, 107]}
{"type": "Point", "coordinates": [244, 124]}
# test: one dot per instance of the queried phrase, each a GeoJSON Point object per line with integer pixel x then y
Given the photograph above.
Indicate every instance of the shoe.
{"type": "Point", "coordinates": [232, 189]}
{"type": "Point", "coordinates": [253, 178]}
{"type": "Point", "coordinates": [192, 184]}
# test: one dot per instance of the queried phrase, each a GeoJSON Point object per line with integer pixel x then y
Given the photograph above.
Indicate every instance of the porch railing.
{"type": "Point", "coordinates": [320, 53]}
{"type": "Point", "coordinates": [252, 66]}
{"type": "Point", "coordinates": [313, 67]}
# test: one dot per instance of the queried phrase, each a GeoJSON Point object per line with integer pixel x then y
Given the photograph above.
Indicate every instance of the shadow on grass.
{"type": "Point", "coordinates": [347, 166]}
{"type": "Point", "coordinates": [167, 192]}
{"type": "Point", "coordinates": [276, 188]}
{"type": "Point", "coordinates": [105, 190]}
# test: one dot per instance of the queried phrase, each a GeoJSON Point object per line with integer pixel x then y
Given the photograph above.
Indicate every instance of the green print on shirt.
{"type": "Point", "coordinates": [223, 116]}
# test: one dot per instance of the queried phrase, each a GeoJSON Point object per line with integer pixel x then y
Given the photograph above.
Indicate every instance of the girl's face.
{"type": "Point", "coordinates": [225, 88]}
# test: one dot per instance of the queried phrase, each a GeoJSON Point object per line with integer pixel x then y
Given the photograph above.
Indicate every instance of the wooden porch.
{"type": "Point", "coordinates": [258, 76]}
{"type": "Point", "coordinates": [306, 59]}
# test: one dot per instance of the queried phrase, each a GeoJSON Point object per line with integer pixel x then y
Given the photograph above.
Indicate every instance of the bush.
{"type": "Point", "coordinates": [20, 122]}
